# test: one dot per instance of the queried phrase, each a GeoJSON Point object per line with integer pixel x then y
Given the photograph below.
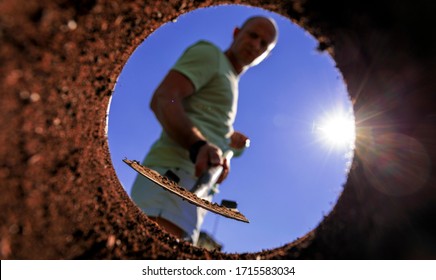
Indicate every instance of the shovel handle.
{"type": "Point", "coordinates": [210, 177]}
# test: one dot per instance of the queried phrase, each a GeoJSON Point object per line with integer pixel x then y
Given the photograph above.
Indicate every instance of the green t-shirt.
{"type": "Point", "coordinates": [212, 108]}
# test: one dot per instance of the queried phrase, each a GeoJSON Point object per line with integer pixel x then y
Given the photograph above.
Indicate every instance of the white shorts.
{"type": "Point", "coordinates": [158, 202]}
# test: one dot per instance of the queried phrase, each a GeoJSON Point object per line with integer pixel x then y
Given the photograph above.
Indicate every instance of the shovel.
{"type": "Point", "coordinates": [206, 182]}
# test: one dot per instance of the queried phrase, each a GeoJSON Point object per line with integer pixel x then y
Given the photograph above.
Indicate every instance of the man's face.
{"type": "Point", "coordinates": [252, 41]}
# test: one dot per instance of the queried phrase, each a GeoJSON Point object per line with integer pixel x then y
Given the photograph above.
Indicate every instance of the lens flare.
{"type": "Point", "coordinates": [337, 130]}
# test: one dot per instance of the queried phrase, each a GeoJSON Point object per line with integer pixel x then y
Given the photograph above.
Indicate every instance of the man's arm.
{"type": "Point", "coordinates": [167, 106]}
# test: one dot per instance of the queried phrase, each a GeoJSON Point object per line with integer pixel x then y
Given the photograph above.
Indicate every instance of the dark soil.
{"type": "Point", "coordinates": [60, 197]}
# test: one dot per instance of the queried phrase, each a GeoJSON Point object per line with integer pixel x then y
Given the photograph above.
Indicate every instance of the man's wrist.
{"type": "Point", "coordinates": [195, 148]}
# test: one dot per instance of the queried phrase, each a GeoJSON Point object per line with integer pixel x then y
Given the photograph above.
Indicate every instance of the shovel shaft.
{"type": "Point", "coordinates": [209, 178]}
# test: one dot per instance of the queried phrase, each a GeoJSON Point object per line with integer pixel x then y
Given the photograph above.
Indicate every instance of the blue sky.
{"type": "Point", "coordinates": [290, 177]}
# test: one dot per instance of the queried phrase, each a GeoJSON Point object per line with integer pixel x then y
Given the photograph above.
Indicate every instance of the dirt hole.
{"type": "Point", "coordinates": [291, 176]}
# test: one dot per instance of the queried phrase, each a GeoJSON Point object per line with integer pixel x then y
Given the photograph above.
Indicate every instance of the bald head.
{"type": "Point", "coordinates": [268, 20]}
{"type": "Point", "coordinates": [252, 42]}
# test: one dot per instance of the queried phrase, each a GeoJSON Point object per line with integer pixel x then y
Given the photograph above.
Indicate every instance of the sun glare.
{"type": "Point", "coordinates": [337, 130]}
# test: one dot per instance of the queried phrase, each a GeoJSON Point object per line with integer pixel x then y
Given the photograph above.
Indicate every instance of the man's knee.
{"type": "Point", "coordinates": [168, 226]}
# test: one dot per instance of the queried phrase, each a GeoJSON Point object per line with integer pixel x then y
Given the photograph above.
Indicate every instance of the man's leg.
{"type": "Point", "coordinates": [174, 215]}
{"type": "Point", "coordinates": [169, 227]}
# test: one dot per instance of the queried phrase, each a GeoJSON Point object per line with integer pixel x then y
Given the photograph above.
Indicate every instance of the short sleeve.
{"type": "Point", "coordinates": [198, 63]}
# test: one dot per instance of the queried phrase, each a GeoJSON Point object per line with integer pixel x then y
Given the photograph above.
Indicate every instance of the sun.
{"type": "Point", "coordinates": [337, 130]}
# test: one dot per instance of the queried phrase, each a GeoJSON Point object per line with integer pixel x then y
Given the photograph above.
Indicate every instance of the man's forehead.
{"type": "Point", "coordinates": [259, 20]}
{"type": "Point", "coordinates": [261, 25]}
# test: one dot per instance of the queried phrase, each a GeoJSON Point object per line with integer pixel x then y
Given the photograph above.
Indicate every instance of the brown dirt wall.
{"type": "Point", "coordinates": [60, 197]}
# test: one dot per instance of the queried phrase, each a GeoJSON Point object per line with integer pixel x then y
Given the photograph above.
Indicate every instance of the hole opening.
{"type": "Point", "coordinates": [269, 169]}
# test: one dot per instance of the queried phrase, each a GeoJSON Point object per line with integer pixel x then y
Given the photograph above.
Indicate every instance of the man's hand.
{"type": "Point", "coordinates": [238, 140]}
{"type": "Point", "coordinates": [210, 155]}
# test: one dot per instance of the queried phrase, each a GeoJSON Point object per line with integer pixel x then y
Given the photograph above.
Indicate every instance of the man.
{"type": "Point", "coordinates": [196, 105]}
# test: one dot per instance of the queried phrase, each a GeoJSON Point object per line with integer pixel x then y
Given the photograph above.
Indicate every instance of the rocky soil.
{"type": "Point", "coordinates": [60, 197]}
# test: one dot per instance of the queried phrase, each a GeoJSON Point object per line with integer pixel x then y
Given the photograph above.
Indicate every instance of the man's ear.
{"type": "Point", "coordinates": [236, 32]}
